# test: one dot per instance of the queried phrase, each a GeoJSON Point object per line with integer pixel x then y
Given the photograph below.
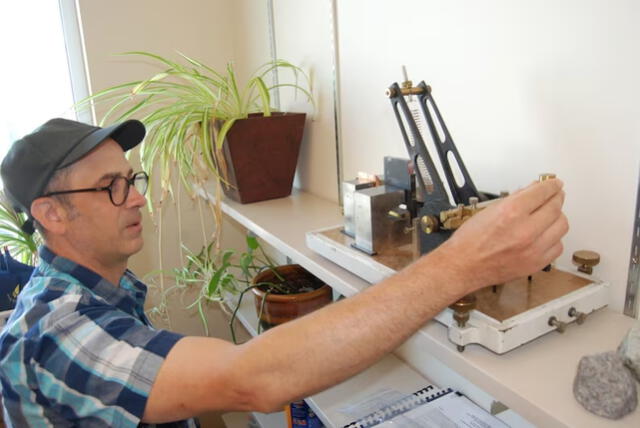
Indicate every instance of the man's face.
{"type": "Point", "coordinates": [96, 228]}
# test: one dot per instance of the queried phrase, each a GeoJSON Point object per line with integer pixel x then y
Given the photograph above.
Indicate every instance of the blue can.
{"type": "Point", "coordinates": [299, 410]}
{"type": "Point", "coordinates": [313, 421]}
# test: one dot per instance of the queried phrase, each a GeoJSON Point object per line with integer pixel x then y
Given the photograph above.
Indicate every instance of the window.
{"type": "Point", "coordinates": [42, 72]}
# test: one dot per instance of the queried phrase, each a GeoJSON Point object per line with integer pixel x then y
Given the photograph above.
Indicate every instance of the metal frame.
{"type": "Point", "coordinates": [74, 43]}
{"type": "Point", "coordinates": [333, 19]}
{"type": "Point", "coordinates": [333, 7]}
{"type": "Point", "coordinates": [633, 281]}
{"type": "Point", "coordinates": [274, 52]}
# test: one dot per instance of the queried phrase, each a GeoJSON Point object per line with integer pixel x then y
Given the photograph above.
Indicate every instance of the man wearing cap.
{"type": "Point", "coordinates": [78, 349]}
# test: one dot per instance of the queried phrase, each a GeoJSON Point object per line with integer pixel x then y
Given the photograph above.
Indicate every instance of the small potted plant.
{"type": "Point", "coordinates": [281, 293]}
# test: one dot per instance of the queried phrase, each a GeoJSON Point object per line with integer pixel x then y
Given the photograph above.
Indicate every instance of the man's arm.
{"type": "Point", "coordinates": [510, 239]}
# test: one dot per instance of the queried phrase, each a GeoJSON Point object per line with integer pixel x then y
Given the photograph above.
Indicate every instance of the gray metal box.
{"type": "Point", "coordinates": [374, 229]}
{"type": "Point", "coordinates": [349, 188]}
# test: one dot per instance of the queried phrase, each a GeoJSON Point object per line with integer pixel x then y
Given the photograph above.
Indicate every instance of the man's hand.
{"type": "Point", "coordinates": [511, 238]}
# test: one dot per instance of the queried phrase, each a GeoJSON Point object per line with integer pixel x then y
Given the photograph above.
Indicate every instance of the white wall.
{"type": "Point", "coordinates": [524, 87]}
{"type": "Point", "coordinates": [303, 36]}
{"type": "Point", "coordinates": [250, 27]}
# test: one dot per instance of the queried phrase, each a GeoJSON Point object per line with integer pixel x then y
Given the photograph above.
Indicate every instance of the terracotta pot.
{"type": "Point", "coordinates": [262, 154]}
{"type": "Point", "coordinates": [280, 308]}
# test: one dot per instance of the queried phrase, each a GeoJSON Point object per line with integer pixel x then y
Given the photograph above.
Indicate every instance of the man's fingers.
{"type": "Point", "coordinates": [547, 214]}
{"type": "Point", "coordinates": [551, 236]}
{"type": "Point", "coordinates": [552, 253]}
{"type": "Point", "coordinates": [532, 197]}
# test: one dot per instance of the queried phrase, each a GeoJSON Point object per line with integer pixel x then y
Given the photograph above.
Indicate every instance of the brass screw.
{"type": "Point", "coordinates": [473, 201]}
{"type": "Point", "coordinates": [546, 176]}
{"type": "Point", "coordinates": [429, 224]}
{"type": "Point", "coordinates": [579, 316]}
{"type": "Point", "coordinates": [559, 325]}
{"type": "Point", "coordinates": [462, 308]}
{"type": "Point", "coordinates": [586, 260]}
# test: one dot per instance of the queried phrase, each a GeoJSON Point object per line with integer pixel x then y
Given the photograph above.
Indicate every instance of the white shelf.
{"type": "Point", "coordinates": [534, 380]}
{"type": "Point", "coordinates": [262, 420]}
{"type": "Point", "coordinates": [270, 420]}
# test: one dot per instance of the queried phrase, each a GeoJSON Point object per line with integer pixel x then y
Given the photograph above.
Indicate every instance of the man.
{"type": "Point", "coordinates": [78, 349]}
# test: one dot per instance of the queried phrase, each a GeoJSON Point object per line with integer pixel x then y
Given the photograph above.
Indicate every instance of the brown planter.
{"type": "Point", "coordinates": [280, 308]}
{"type": "Point", "coordinates": [261, 154]}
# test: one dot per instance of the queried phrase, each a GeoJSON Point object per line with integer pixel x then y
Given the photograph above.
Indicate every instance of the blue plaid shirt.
{"type": "Point", "coordinates": [78, 351]}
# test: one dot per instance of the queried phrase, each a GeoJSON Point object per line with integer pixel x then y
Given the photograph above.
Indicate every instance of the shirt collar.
{"type": "Point", "coordinates": [129, 296]}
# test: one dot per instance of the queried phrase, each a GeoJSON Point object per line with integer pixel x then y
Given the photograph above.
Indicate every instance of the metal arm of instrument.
{"type": "Point", "coordinates": [431, 194]}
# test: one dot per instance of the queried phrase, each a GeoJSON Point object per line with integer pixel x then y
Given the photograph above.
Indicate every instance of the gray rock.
{"type": "Point", "coordinates": [605, 386]}
{"type": "Point", "coordinates": [629, 349]}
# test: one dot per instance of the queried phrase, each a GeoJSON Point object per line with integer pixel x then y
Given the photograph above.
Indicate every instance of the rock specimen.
{"type": "Point", "coordinates": [605, 386]}
{"type": "Point", "coordinates": [629, 349]}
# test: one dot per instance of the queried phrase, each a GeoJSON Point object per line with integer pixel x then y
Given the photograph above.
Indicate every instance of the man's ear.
{"type": "Point", "coordinates": [50, 214]}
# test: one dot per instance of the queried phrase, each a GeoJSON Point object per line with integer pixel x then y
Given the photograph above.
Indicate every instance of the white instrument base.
{"type": "Point", "coordinates": [500, 336]}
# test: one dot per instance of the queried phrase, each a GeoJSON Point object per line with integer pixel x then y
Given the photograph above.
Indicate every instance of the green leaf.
{"type": "Point", "coordinates": [233, 86]}
{"type": "Point", "coordinates": [252, 242]}
{"type": "Point", "coordinates": [226, 281]}
{"type": "Point", "coordinates": [264, 94]}
{"type": "Point", "coordinates": [246, 260]}
{"type": "Point", "coordinates": [226, 256]}
{"type": "Point", "coordinates": [212, 287]}
{"type": "Point", "coordinates": [222, 134]}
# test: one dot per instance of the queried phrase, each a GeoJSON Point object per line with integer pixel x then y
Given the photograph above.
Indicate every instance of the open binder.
{"type": "Point", "coordinates": [429, 407]}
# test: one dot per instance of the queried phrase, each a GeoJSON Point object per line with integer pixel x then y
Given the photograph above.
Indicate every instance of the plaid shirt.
{"type": "Point", "coordinates": [78, 351]}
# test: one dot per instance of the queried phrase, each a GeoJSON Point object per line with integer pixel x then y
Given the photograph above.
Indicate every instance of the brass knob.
{"type": "Point", "coordinates": [462, 308]}
{"type": "Point", "coordinates": [429, 224]}
{"type": "Point", "coordinates": [579, 316]}
{"type": "Point", "coordinates": [559, 325]}
{"type": "Point", "coordinates": [407, 84]}
{"type": "Point", "coordinates": [546, 176]}
{"type": "Point", "coordinates": [398, 214]}
{"type": "Point", "coordinates": [586, 260]}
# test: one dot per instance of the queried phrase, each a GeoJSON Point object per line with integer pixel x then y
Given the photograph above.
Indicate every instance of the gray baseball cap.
{"type": "Point", "coordinates": [33, 159]}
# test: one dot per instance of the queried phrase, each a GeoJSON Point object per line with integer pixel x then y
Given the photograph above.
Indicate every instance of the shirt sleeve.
{"type": "Point", "coordinates": [99, 363]}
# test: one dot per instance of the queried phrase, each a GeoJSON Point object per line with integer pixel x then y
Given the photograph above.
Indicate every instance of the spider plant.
{"type": "Point", "coordinates": [21, 245]}
{"type": "Point", "coordinates": [188, 109]}
{"type": "Point", "coordinates": [217, 278]}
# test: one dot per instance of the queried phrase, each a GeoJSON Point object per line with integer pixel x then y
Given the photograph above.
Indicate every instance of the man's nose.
{"type": "Point", "coordinates": [135, 198]}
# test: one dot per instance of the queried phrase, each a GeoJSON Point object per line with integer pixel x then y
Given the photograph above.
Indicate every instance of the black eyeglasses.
{"type": "Point", "coordinates": [118, 189]}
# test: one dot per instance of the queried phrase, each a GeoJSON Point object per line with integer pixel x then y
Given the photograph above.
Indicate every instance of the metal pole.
{"type": "Point", "coordinates": [633, 281]}
{"type": "Point", "coordinates": [336, 94]}
{"type": "Point", "coordinates": [274, 54]}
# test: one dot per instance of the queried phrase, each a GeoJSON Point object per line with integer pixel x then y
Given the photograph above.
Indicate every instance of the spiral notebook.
{"type": "Point", "coordinates": [430, 407]}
